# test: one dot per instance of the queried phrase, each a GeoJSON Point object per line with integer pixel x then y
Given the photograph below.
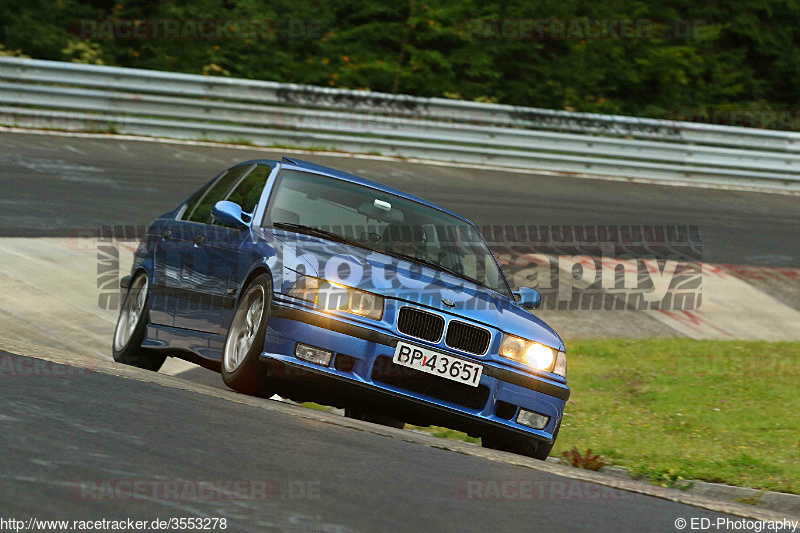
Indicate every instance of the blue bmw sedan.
{"type": "Point", "coordinates": [297, 279]}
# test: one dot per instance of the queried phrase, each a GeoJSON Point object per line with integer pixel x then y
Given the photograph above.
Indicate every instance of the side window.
{"type": "Point", "coordinates": [201, 212]}
{"type": "Point", "coordinates": [192, 202]}
{"type": "Point", "coordinates": [248, 192]}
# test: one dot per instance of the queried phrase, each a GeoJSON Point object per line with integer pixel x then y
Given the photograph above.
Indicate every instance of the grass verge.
{"type": "Point", "coordinates": [672, 409]}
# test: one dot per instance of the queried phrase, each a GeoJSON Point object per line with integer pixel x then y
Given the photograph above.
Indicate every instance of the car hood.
{"type": "Point", "coordinates": [392, 277]}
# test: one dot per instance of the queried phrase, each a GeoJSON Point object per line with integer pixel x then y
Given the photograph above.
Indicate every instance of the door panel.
{"type": "Point", "coordinates": [165, 274]}
{"type": "Point", "coordinates": [174, 253]}
{"type": "Point", "coordinates": [206, 268]}
{"type": "Point", "coordinates": [208, 264]}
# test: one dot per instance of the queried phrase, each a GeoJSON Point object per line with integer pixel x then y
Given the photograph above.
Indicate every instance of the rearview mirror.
{"type": "Point", "coordinates": [229, 213]}
{"type": "Point", "coordinates": [528, 298]}
{"type": "Point", "coordinates": [381, 211]}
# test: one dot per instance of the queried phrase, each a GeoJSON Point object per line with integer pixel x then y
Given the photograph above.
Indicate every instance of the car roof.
{"type": "Point", "coordinates": [298, 164]}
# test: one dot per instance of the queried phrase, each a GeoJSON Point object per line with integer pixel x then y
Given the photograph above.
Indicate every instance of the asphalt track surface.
{"type": "Point", "coordinates": [58, 432]}
{"type": "Point", "coordinates": [51, 185]}
{"type": "Point", "coordinates": [67, 435]}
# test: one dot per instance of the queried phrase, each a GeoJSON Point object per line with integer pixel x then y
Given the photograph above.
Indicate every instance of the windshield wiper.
{"type": "Point", "coordinates": [310, 230]}
{"type": "Point", "coordinates": [438, 266]}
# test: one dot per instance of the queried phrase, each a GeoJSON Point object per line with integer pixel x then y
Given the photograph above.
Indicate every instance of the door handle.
{"type": "Point", "coordinates": [199, 239]}
{"type": "Point", "coordinates": [166, 234]}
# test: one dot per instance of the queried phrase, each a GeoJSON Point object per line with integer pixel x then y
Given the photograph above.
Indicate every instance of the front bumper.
{"type": "Point", "coordinates": [490, 408]}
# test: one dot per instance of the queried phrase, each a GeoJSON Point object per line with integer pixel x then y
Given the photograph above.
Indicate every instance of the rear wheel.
{"type": "Point", "coordinates": [131, 325]}
{"type": "Point", "coordinates": [242, 369]}
{"type": "Point", "coordinates": [383, 420]}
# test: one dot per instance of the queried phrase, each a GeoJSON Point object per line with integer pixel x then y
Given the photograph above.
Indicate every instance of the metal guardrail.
{"type": "Point", "coordinates": [143, 102]}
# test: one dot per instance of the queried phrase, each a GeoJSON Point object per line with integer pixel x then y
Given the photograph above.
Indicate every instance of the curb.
{"type": "Point", "coordinates": [774, 501]}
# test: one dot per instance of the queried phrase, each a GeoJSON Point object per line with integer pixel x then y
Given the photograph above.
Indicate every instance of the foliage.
{"type": "Point", "coordinates": [734, 55]}
{"type": "Point", "coordinates": [10, 53]}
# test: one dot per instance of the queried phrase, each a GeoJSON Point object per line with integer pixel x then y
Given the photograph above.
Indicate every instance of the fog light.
{"type": "Point", "coordinates": [312, 354]}
{"type": "Point", "coordinates": [532, 419]}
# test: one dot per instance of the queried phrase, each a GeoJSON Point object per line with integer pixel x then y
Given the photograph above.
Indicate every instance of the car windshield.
{"type": "Point", "coordinates": [383, 222]}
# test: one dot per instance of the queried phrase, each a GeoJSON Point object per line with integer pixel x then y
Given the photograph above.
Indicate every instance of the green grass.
{"type": "Point", "coordinates": [445, 433]}
{"type": "Point", "coordinates": [672, 409]}
{"type": "Point", "coordinates": [316, 407]}
{"type": "Point", "coordinates": [679, 409]}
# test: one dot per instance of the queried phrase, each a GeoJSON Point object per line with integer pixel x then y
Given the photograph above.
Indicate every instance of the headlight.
{"type": "Point", "coordinates": [534, 354]}
{"type": "Point", "coordinates": [338, 297]}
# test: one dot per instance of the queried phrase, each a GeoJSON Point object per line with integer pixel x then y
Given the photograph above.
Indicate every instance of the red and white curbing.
{"type": "Point", "coordinates": [734, 308]}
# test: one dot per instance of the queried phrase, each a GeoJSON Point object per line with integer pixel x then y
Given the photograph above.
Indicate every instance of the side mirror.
{"type": "Point", "coordinates": [528, 298]}
{"type": "Point", "coordinates": [229, 213]}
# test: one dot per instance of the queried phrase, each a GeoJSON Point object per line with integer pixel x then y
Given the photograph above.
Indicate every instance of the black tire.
{"type": "Point", "coordinates": [383, 420]}
{"type": "Point", "coordinates": [245, 372]}
{"type": "Point", "coordinates": [131, 324]}
{"type": "Point", "coordinates": [520, 445]}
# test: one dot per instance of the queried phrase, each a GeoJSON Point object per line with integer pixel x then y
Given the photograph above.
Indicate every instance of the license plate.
{"type": "Point", "coordinates": [438, 364]}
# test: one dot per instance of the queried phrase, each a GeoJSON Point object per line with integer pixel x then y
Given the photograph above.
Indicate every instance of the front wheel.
{"type": "Point", "coordinates": [242, 369]}
{"type": "Point", "coordinates": [131, 325]}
